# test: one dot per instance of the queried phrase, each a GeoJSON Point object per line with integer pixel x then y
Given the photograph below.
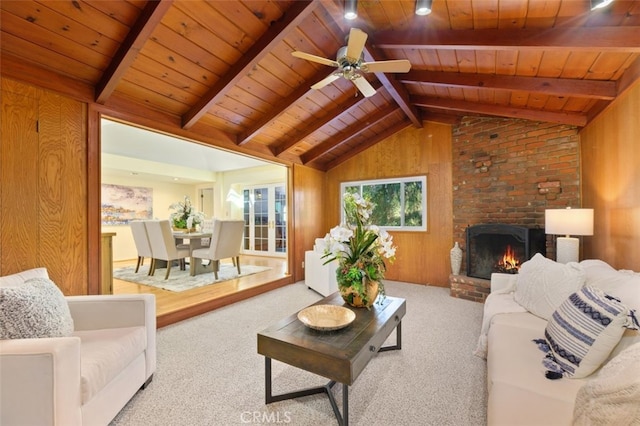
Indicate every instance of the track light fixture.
{"type": "Point", "coordinates": [350, 9]}
{"type": "Point", "coordinates": [597, 4]}
{"type": "Point", "coordinates": [423, 7]}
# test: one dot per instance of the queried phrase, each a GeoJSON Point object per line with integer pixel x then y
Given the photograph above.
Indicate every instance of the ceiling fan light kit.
{"type": "Point", "coordinates": [423, 7]}
{"type": "Point", "coordinates": [350, 9]}
{"type": "Point", "coordinates": [351, 66]}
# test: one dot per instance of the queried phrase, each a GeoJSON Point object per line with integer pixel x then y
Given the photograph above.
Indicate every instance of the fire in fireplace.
{"type": "Point", "coordinates": [501, 248]}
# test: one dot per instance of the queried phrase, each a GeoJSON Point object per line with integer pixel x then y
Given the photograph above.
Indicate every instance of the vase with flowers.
{"type": "Point", "coordinates": [184, 216]}
{"type": "Point", "coordinates": [361, 250]}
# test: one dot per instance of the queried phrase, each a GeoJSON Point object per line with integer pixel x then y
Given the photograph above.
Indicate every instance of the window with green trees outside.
{"type": "Point", "coordinates": [400, 203]}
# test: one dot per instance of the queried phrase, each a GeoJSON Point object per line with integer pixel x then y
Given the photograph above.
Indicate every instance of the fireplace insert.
{"type": "Point", "coordinates": [501, 248]}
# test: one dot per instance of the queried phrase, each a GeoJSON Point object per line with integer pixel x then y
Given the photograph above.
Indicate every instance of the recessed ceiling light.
{"type": "Point", "coordinates": [423, 7]}
{"type": "Point", "coordinates": [350, 9]}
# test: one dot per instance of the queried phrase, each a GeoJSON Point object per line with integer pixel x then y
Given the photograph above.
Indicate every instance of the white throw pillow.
{"type": "Point", "coordinates": [613, 396]}
{"type": "Point", "coordinates": [35, 308]}
{"type": "Point", "coordinates": [623, 285]}
{"type": "Point", "coordinates": [544, 284]}
{"type": "Point", "coordinates": [584, 329]}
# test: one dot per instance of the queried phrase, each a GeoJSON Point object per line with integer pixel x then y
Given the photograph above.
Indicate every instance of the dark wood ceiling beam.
{"type": "Point", "coordinates": [298, 11]}
{"type": "Point", "coordinates": [397, 91]}
{"type": "Point", "coordinates": [606, 90]}
{"type": "Point", "coordinates": [574, 119]}
{"type": "Point", "coordinates": [317, 124]}
{"type": "Point", "coordinates": [353, 131]}
{"type": "Point", "coordinates": [604, 39]}
{"type": "Point", "coordinates": [368, 144]}
{"type": "Point", "coordinates": [140, 32]}
{"type": "Point", "coordinates": [282, 106]}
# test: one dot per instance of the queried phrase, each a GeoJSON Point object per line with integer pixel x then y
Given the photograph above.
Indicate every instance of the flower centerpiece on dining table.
{"type": "Point", "coordinates": [185, 216]}
{"type": "Point", "coordinates": [361, 249]}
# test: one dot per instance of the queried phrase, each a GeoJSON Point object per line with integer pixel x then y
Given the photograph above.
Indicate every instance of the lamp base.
{"type": "Point", "coordinates": [567, 249]}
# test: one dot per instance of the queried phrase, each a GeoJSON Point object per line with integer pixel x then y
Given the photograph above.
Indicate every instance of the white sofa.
{"type": "Point", "coordinates": [317, 275]}
{"type": "Point", "coordinates": [519, 393]}
{"type": "Point", "coordinates": [87, 377]}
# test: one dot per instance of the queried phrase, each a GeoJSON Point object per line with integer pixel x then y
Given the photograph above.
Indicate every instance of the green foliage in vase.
{"type": "Point", "coordinates": [360, 247]}
{"type": "Point", "coordinates": [184, 215]}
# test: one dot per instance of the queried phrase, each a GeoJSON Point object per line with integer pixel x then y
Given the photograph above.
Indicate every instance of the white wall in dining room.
{"type": "Point", "coordinates": [164, 194]}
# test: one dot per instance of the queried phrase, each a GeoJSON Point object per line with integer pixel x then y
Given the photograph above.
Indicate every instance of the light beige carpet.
{"type": "Point", "coordinates": [209, 371]}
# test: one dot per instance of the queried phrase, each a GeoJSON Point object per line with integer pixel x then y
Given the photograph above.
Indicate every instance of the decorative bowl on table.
{"type": "Point", "coordinates": [326, 317]}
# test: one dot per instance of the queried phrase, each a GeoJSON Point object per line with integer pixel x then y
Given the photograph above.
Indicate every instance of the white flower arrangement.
{"type": "Point", "coordinates": [360, 247]}
{"type": "Point", "coordinates": [184, 216]}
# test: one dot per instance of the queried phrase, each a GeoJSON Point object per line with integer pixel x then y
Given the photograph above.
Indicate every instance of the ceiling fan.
{"type": "Point", "coordinates": [351, 66]}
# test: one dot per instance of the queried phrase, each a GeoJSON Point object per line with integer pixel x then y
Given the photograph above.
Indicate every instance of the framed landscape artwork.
{"type": "Point", "coordinates": [121, 204]}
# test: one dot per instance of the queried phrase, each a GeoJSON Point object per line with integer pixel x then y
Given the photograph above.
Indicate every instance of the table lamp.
{"type": "Point", "coordinates": [568, 222]}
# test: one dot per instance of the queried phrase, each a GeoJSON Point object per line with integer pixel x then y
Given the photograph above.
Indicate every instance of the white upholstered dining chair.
{"type": "Point", "coordinates": [141, 240]}
{"type": "Point", "coordinates": [226, 240]}
{"type": "Point", "coordinates": [163, 245]}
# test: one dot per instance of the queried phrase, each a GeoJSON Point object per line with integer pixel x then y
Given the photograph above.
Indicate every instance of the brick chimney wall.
{"type": "Point", "coordinates": [509, 171]}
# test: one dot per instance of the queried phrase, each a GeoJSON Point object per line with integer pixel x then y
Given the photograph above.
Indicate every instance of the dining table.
{"type": "Point", "coordinates": [194, 239]}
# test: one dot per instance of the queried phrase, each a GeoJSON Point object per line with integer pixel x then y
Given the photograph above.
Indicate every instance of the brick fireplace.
{"type": "Point", "coordinates": [508, 171]}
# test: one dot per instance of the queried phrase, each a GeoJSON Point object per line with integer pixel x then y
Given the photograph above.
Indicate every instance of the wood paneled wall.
{"type": "Point", "coordinates": [421, 257]}
{"type": "Point", "coordinates": [611, 182]}
{"type": "Point", "coordinates": [43, 191]}
{"type": "Point", "coordinates": [308, 214]}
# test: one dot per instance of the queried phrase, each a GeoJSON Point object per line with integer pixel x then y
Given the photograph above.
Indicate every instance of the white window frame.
{"type": "Point", "coordinates": [401, 181]}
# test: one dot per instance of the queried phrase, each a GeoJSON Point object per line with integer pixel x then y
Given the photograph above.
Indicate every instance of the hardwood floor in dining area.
{"type": "Point", "coordinates": [172, 307]}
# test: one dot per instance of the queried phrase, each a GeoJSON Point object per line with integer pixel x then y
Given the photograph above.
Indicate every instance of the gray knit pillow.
{"type": "Point", "coordinates": [35, 308]}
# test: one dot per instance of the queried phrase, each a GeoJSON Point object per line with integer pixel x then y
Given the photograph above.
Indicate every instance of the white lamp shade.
{"type": "Point", "coordinates": [568, 221]}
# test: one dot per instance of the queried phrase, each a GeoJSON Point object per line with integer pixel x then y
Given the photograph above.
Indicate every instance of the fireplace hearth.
{"type": "Point", "coordinates": [501, 248]}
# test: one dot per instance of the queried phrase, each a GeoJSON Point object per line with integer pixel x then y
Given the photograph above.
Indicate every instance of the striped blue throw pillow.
{"type": "Point", "coordinates": [584, 329]}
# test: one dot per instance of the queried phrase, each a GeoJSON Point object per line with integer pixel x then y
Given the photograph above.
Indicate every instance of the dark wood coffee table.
{"type": "Point", "coordinates": [338, 355]}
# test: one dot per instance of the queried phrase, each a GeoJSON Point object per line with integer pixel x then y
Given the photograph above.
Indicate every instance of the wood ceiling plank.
{"type": "Point", "coordinates": [60, 64]}
{"type": "Point", "coordinates": [211, 19]}
{"type": "Point", "coordinates": [506, 61]}
{"type": "Point", "coordinates": [611, 39]}
{"type": "Point", "coordinates": [552, 63]}
{"type": "Point", "coordinates": [54, 22]}
{"type": "Point", "coordinates": [125, 12]}
{"type": "Point", "coordinates": [174, 61]}
{"type": "Point", "coordinates": [256, 53]}
{"type": "Point", "coordinates": [21, 28]}
{"type": "Point", "coordinates": [606, 65]}
{"type": "Point", "coordinates": [82, 11]}
{"type": "Point", "coordinates": [542, 14]}
{"type": "Point", "coordinates": [578, 64]}
{"type": "Point", "coordinates": [564, 118]}
{"type": "Point", "coordinates": [149, 18]}
{"type": "Point", "coordinates": [281, 107]}
{"type": "Point", "coordinates": [513, 14]}
{"type": "Point", "coordinates": [150, 98]}
{"type": "Point", "coordinates": [460, 14]}
{"type": "Point", "coordinates": [192, 30]}
{"type": "Point", "coordinates": [486, 61]}
{"type": "Point", "coordinates": [529, 63]}
{"type": "Point", "coordinates": [159, 86]}
{"type": "Point", "coordinates": [466, 60]}
{"type": "Point", "coordinates": [485, 13]}
{"type": "Point", "coordinates": [556, 86]}
{"type": "Point", "coordinates": [169, 39]}
{"type": "Point", "coordinates": [353, 131]}
{"type": "Point", "coordinates": [157, 70]}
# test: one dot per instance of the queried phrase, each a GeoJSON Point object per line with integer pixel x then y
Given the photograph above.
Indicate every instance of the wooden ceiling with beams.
{"type": "Point", "coordinates": [224, 69]}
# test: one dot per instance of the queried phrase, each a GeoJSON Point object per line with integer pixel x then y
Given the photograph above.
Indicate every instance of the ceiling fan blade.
{"type": "Point", "coordinates": [364, 86]}
{"type": "Point", "coordinates": [355, 45]}
{"type": "Point", "coordinates": [400, 65]}
{"type": "Point", "coordinates": [325, 81]}
{"type": "Point", "coordinates": [314, 58]}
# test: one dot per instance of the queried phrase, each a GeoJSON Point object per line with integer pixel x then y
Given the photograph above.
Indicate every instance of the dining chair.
{"type": "Point", "coordinates": [163, 245]}
{"type": "Point", "coordinates": [226, 241]}
{"type": "Point", "coordinates": [141, 240]}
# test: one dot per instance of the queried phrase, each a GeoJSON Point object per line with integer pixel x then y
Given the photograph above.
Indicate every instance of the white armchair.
{"type": "Point", "coordinates": [86, 378]}
{"type": "Point", "coordinates": [317, 275]}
